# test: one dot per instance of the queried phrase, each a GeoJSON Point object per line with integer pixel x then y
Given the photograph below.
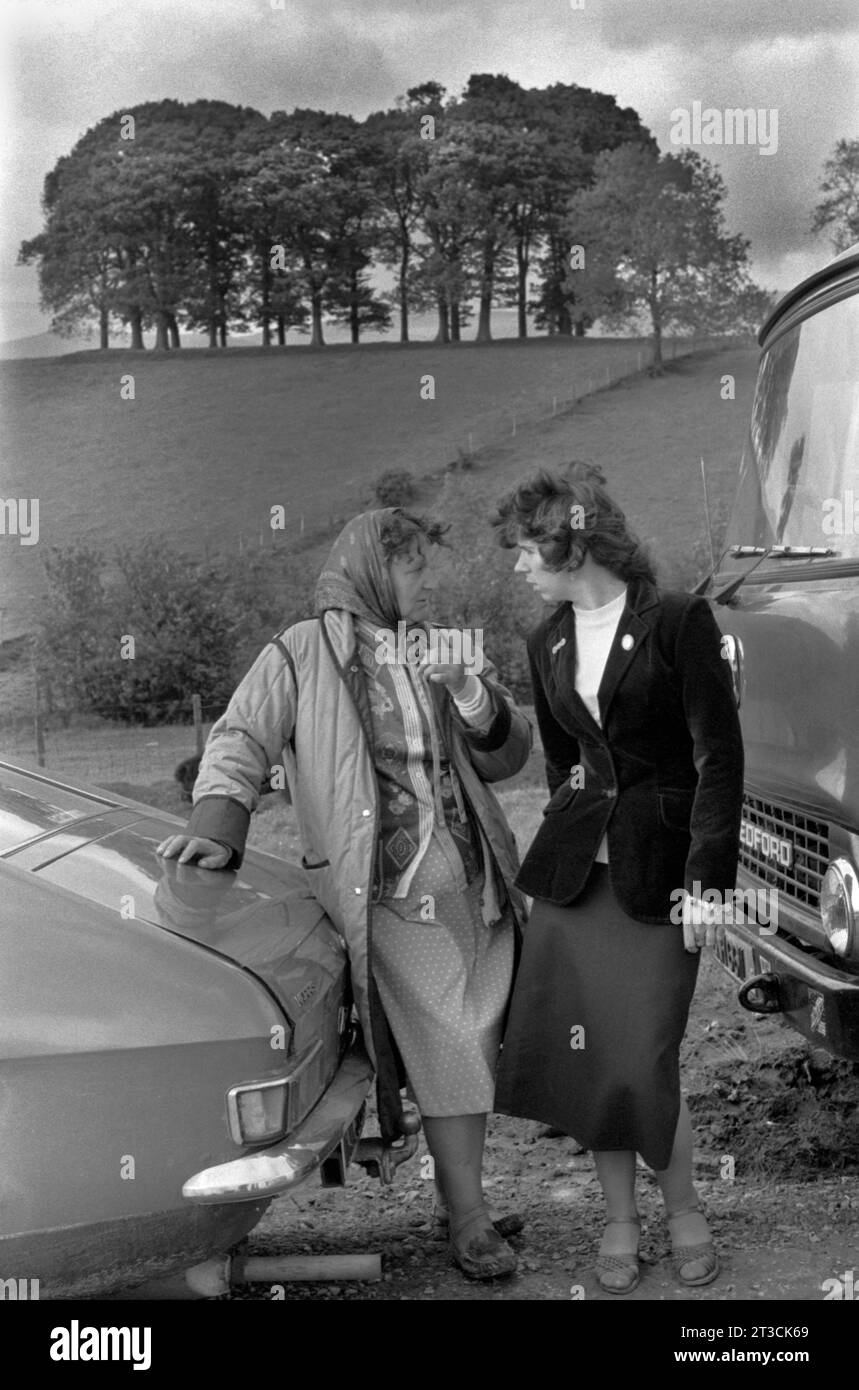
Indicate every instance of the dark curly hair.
{"type": "Point", "coordinates": [570, 515]}
{"type": "Point", "coordinates": [399, 529]}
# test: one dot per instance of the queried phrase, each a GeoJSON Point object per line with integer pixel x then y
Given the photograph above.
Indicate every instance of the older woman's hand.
{"type": "Point", "coordinates": [208, 853]}
{"type": "Point", "coordinates": [451, 674]}
{"type": "Point", "coordinates": [702, 923]}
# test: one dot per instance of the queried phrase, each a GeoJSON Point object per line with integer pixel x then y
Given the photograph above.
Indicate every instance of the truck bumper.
{"type": "Point", "coordinates": [334, 1124]}
{"type": "Point", "coordinates": [817, 999]}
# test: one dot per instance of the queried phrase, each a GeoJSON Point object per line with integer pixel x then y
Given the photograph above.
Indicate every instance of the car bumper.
{"type": "Point", "coordinates": [817, 999]}
{"type": "Point", "coordinates": [265, 1173]}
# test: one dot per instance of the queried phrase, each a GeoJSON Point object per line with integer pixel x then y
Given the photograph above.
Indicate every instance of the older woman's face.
{"type": "Point", "coordinates": [414, 576]}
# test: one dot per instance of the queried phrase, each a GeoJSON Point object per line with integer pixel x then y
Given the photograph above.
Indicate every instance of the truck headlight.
{"type": "Point", "coordinates": [839, 905]}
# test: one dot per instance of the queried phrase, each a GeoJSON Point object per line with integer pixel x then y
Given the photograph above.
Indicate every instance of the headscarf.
{"type": "Point", "coordinates": [356, 575]}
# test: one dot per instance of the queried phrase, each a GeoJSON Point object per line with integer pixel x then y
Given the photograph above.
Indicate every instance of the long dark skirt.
{"type": "Point", "coordinates": [597, 1016]}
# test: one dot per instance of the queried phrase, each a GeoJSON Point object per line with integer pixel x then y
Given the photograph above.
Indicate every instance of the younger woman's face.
{"type": "Point", "coordinates": [552, 586]}
{"type": "Point", "coordinates": [414, 576]}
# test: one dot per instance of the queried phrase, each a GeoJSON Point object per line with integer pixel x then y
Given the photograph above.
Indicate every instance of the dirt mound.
{"type": "Point", "coordinates": [794, 1115]}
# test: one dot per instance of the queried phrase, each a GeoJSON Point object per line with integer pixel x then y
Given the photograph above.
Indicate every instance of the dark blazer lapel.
{"type": "Point", "coordinates": [561, 659]}
{"type": "Point", "coordinates": [629, 635]}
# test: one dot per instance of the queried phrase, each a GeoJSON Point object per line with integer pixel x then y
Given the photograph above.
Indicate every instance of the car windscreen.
{"type": "Point", "coordinates": [799, 477]}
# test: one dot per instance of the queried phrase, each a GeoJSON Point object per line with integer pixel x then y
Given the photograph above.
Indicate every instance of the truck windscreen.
{"type": "Point", "coordinates": [799, 477]}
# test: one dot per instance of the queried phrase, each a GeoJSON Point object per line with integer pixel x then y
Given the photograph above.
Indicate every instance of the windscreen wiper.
{"type": "Point", "coordinates": [778, 552]}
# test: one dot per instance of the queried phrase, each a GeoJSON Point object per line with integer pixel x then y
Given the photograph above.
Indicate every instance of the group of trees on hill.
{"type": "Point", "coordinates": [215, 218]}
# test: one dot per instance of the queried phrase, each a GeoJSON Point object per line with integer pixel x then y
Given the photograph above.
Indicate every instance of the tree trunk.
{"type": "Point", "coordinates": [161, 341]}
{"type": "Point", "coordinates": [222, 334]}
{"type": "Point", "coordinates": [443, 334]}
{"type": "Point", "coordinates": [173, 331]}
{"type": "Point", "coordinates": [487, 280]}
{"type": "Point", "coordinates": [213, 331]}
{"type": "Point", "coordinates": [522, 266]}
{"type": "Point", "coordinates": [455, 322]}
{"type": "Point", "coordinates": [355, 308]}
{"type": "Point", "coordinates": [404, 298]}
{"type": "Point", "coordinates": [265, 305]}
{"type": "Point", "coordinates": [565, 322]}
{"type": "Point", "coordinates": [656, 320]}
{"type": "Point", "coordinates": [136, 319]}
{"type": "Point", "coordinates": [316, 336]}
{"type": "Point", "coordinates": [103, 328]}
{"type": "Point", "coordinates": [580, 328]}
{"type": "Point", "coordinates": [281, 330]}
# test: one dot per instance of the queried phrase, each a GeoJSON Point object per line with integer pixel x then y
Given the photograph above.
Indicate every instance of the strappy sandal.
{"type": "Point", "coordinates": [625, 1263]}
{"type": "Point", "coordinates": [704, 1253]}
{"type": "Point", "coordinates": [483, 1255]}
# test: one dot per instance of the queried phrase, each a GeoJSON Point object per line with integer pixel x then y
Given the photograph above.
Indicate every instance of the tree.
{"type": "Point", "coordinates": [398, 144]}
{"type": "Point", "coordinates": [838, 212]}
{"type": "Point", "coordinates": [654, 241]}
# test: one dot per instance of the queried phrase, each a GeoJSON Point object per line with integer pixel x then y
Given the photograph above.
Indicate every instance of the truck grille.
{"type": "Point", "coordinates": [802, 879]}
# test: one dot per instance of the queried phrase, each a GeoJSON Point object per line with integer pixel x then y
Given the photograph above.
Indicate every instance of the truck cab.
{"type": "Point", "coordinates": [786, 596]}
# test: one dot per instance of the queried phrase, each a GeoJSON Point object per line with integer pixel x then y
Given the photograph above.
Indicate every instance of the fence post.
{"type": "Point", "coordinates": [37, 722]}
{"type": "Point", "coordinates": [197, 711]}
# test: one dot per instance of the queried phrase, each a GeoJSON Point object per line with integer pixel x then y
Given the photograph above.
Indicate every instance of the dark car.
{"type": "Point", "coordinates": [786, 596]}
{"type": "Point", "coordinates": [177, 1046]}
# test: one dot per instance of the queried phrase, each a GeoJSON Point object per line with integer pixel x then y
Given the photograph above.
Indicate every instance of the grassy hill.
{"type": "Point", "coordinates": [212, 440]}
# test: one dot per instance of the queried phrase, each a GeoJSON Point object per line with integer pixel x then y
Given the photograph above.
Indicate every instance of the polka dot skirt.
{"type": "Point", "coordinates": [444, 985]}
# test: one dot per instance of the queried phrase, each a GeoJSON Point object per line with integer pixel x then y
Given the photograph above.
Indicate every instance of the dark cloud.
{"type": "Point", "coordinates": [724, 22]}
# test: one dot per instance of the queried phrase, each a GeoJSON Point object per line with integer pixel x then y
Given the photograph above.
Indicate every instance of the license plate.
{"type": "Point", "coordinates": [736, 957]}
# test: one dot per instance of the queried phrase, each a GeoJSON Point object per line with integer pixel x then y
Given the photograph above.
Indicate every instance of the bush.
{"type": "Point", "coordinates": [197, 627]}
{"type": "Point", "coordinates": [394, 488]}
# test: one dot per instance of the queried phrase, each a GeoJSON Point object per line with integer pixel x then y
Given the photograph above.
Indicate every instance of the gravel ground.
{"type": "Point", "coordinates": [776, 1165]}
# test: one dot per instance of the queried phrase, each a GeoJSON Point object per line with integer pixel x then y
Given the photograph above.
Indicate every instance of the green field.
{"type": "Point", "coordinates": [211, 441]}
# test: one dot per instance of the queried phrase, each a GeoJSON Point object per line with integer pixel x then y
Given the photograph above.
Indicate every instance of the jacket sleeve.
{"type": "Point", "coordinates": [714, 726]}
{"type": "Point", "coordinates": [560, 748]}
{"type": "Point", "coordinates": [242, 747]}
{"type": "Point", "coordinates": [501, 749]}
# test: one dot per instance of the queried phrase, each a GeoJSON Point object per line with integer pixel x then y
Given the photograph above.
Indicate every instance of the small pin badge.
{"type": "Point", "coordinates": [627, 642]}
{"type": "Point", "coordinates": [558, 645]}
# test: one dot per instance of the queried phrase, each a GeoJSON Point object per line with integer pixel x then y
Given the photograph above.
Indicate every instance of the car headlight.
{"type": "Point", "coordinates": [839, 905]}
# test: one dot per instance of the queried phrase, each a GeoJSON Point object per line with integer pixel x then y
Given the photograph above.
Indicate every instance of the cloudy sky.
{"type": "Point", "coordinates": [70, 62]}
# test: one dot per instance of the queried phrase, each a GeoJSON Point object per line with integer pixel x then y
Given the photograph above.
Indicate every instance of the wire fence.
{"type": "Point", "coordinates": [120, 744]}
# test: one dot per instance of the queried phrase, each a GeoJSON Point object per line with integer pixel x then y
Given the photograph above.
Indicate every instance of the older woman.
{"type": "Point", "coordinates": [404, 844]}
{"type": "Point", "coordinates": [645, 771]}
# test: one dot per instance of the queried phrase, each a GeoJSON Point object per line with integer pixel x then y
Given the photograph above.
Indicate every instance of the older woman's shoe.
{"type": "Point", "coordinates": [700, 1262]}
{"type": "Point", "coordinates": [510, 1225]}
{"type": "Point", "coordinates": [478, 1250]}
{"type": "Point", "coordinates": [618, 1272]}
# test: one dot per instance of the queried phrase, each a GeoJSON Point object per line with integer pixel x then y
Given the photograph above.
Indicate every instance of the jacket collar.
{"type": "Point", "coordinates": [636, 621]}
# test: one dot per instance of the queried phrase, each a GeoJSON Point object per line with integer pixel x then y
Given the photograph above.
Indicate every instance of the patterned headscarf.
{"type": "Point", "coordinates": [356, 574]}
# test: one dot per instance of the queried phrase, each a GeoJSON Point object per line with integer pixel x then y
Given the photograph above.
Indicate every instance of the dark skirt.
{"type": "Point", "coordinates": [596, 1020]}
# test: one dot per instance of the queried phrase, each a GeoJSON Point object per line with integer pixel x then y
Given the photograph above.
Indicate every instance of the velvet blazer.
{"type": "Point", "coordinates": [662, 777]}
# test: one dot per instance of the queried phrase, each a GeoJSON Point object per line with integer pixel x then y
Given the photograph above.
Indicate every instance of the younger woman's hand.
{"type": "Point", "coordinates": [188, 847]}
{"type": "Point", "coordinates": [702, 924]}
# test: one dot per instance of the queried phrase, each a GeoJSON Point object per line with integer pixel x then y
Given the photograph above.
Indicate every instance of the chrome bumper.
{"type": "Point", "coordinates": [268, 1172]}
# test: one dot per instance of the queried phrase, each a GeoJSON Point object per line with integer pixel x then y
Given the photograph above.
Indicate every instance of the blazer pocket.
{"type": "Point", "coordinates": [675, 809]}
{"type": "Point", "coordinates": [319, 864]}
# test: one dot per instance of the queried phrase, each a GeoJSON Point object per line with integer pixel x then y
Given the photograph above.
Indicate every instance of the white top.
{"type": "Point", "coordinates": [595, 630]}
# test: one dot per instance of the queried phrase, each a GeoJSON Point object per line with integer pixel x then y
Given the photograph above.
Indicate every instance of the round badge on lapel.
{"type": "Point", "coordinates": [627, 642]}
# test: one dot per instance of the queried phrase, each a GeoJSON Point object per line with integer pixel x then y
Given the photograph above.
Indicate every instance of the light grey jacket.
{"type": "Point", "coordinates": [304, 705]}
